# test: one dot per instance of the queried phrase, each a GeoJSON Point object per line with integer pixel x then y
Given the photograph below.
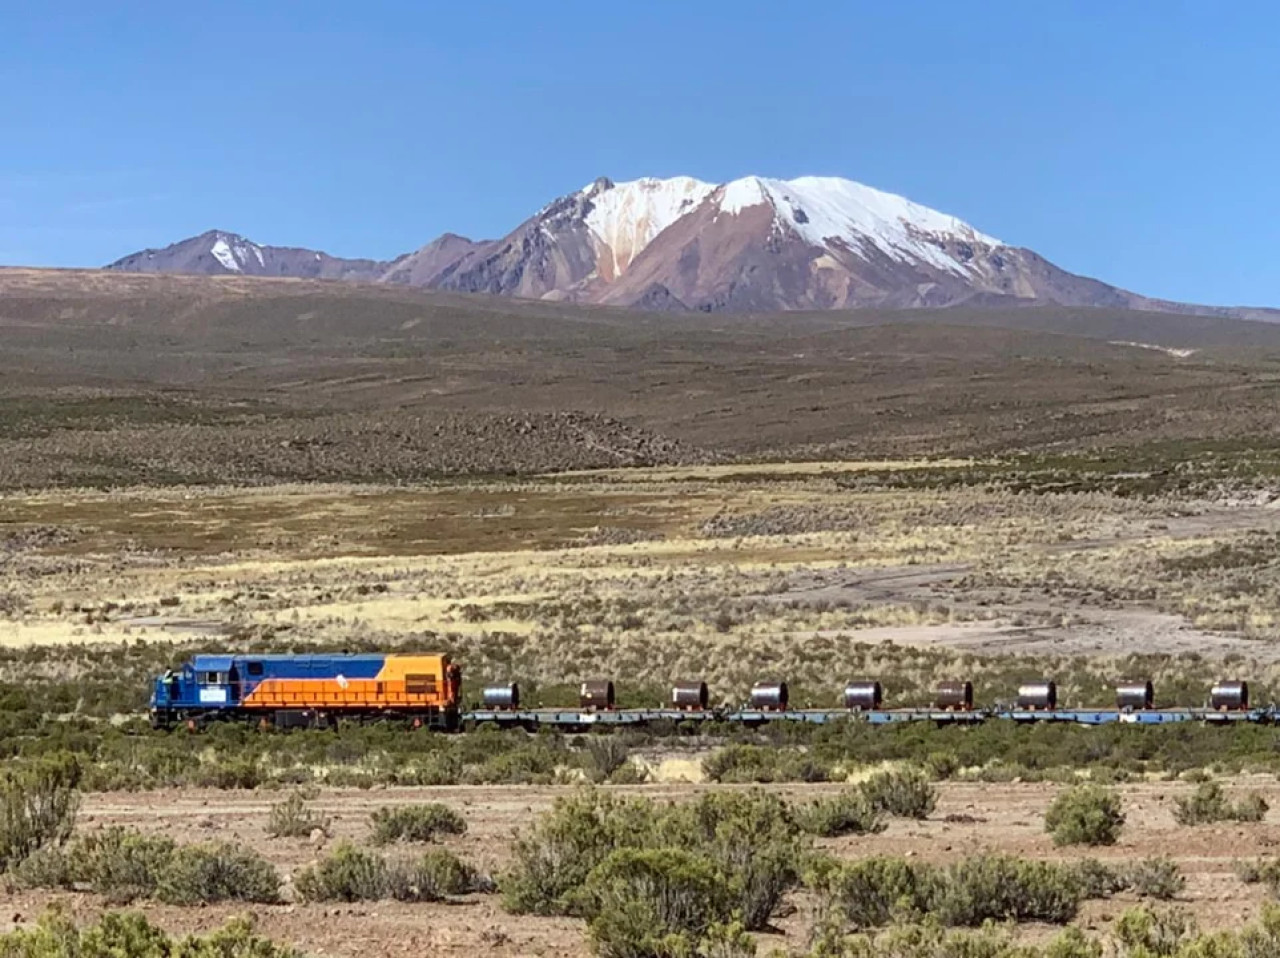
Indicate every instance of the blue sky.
{"type": "Point", "coordinates": [1136, 141]}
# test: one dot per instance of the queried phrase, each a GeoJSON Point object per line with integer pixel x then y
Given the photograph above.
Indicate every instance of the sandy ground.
{"type": "Point", "coordinates": [969, 818]}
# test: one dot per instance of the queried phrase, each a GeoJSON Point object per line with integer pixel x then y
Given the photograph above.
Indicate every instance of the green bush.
{"type": "Point", "coordinates": [1157, 878]}
{"type": "Point", "coordinates": [38, 807]}
{"type": "Point", "coordinates": [849, 813]}
{"type": "Point", "coordinates": [121, 864]}
{"type": "Point", "coordinates": [652, 903]}
{"type": "Point", "coordinates": [1085, 815]}
{"type": "Point", "coordinates": [873, 892]}
{"type": "Point", "coordinates": [754, 841]}
{"type": "Point", "coordinates": [750, 838]}
{"type": "Point", "coordinates": [130, 935]}
{"type": "Point", "coordinates": [1002, 888]}
{"type": "Point", "coordinates": [552, 860]}
{"type": "Point", "coordinates": [292, 818]}
{"type": "Point", "coordinates": [1097, 880]}
{"type": "Point", "coordinates": [902, 793]}
{"type": "Point", "coordinates": [1209, 804]}
{"type": "Point", "coordinates": [415, 823]}
{"type": "Point", "coordinates": [215, 872]}
{"type": "Point", "coordinates": [756, 764]}
{"type": "Point", "coordinates": [437, 875]}
{"type": "Point", "coordinates": [345, 874]}
{"type": "Point", "coordinates": [351, 874]}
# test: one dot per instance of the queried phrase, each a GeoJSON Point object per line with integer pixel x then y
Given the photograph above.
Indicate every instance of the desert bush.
{"type": "Point", "coordinates": [1146, 933]}
{"type": "Point", "coordinates": [351, 874]}
{"type": "Point", "coordinates": [605, 754]}
{"type": "Point", "coordinates": [415, 823]}
{"type": "Point", "coordinates": [217, 871]}
{"type": "Point", "coordinates": [347, 874]}
{"type": "Point", "coordinates": [1002, 888]}
{"type": "Point", "coordinates": [1157, 878]}
{"type": "Point", "coordinates": [121, 864]}
{"type": "Point", "coordinates": [38, 807]}
{"type": "Point", "coordinates": [435, 876]}
{"type": "Point", "coordinates": [130, 935]}
{"type": "Point", "coordinates": [292, 818]}
{"type": "Point", "coordinates": [875, 891]}
{"type": "Point", "coordinates": [753, 839]}
{"type": "Point", "coordinates": [757, 764]}
{"type": "Point", "coordinates": [1208, 804]}
{"type": "Point", "coordinates": [849, 813]}
{"type": "Point", "coordinates": [652, 903]}
{"type": "Point", "coordinates": [552, 860]}
{"type": "Point", "coordinates": [1097, 880]}
{"type": "Point", "coordinates": [902, 793]}
{"type": "Point", "coordinates": [1085, 815]}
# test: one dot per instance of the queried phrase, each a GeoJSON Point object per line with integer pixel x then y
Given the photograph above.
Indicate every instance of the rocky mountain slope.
{"type": "Point", "coordinates": [217, 252]}
{"type": "Point", "coordinates": [679, 244]}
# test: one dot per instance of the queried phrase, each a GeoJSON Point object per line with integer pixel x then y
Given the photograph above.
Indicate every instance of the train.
{"type": "Point", "coordinates": [425, 691]}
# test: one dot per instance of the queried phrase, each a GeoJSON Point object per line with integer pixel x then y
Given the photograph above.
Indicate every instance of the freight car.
{"type": "Point", "coordinates": [285, 691]}
{"type": "Point", "coordinates": [309, 690]}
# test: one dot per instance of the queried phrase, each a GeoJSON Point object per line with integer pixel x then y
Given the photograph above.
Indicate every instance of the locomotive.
{"type": "Point", "coordinates": [306, 690]}
{"type": "Point", "coordinates": [318, 690]}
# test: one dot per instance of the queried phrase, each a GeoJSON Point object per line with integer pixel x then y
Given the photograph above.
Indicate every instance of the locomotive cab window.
{"type": "Point", "coordinates": [255, 669]}
{"type": "Point", "coordinates": [213, 678]}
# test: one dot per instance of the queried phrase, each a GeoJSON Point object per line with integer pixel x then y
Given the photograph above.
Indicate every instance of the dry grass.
{"type": "Point", "coordinates": [724, 578]}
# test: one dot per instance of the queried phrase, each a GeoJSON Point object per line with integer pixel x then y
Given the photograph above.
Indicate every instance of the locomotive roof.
{"type": "Point", "coordinates": [221, 663]}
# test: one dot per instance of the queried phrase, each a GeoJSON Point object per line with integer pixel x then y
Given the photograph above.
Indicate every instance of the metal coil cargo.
{"type": "Point", "coordinates": [596, 694]}
{"type": "Point", "coordinates": [1038, 695]}
{"type": "Point", "coordinates": [1229, 696]}
{"type": "Point", "coordinates": [954, 696]}
{"type": "Point", "coordinates": [862, 696]}
{"type": "Point", "coordinates": [506, 697]}
{"type": "Point", "coordinates": [689, 696]}
{"type": "Point", "coordinates": [769, 696]}
{"type": "Point", "coordinates": [1138, 695]}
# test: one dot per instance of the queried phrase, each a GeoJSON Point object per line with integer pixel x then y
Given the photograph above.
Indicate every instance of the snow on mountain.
{"type": "Point", "coordinates": [624, 218]}
{"type": "Point", "coordinates": [824, 210]}
{"type": "Point", "coordinates": [233, 252]}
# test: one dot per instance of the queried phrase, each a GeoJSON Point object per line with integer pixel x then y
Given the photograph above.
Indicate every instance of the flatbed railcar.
{"type": "Point", "coordinates": [318, 690]}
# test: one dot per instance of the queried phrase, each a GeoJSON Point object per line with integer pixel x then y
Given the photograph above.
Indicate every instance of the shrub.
{"type": "Point", "coordinates": [753, 840]}
{"type": "Point", "coordinates": [435, 876]}
{"type": "Point", "coordinates": [755, 764]}
{"type": "Point", "coordinates": [554, 858]}
{"type": "Point", "coordinates": [346, 874]}
{"type": "Point", "coordinates": [904, 793]}
{"type": "Point", "coordinates": [849, 813]}
{"type": "Point", "coordinates": [218, 871]}
{"type": "Point", "coordinates": [605, 754]}
{"type": "Point", "coordinates": [1157, 878]}
{"type": "Point", "coordinates": [1210, 804]}
{"type": "Point", "coordinates": [876, 891]}
{"type": "Point", "coordinates": [415, 823]}
{"type": "Point", "coordinates": [1085, 815]}
{"type": "Point", "coordinates": [121, 864]}
{"type": "Point", "coordinates": [38, 807]}
{"type": "Point", "coordinates": [1097, 880]}
{"type": "Point", "coordinates": [652, 903]}
{"type": "Point", "coordinates": [1003, 888]}
{"type": "Point", "coordinates": [293, 819]}
{"type": "Point", "coordinates": [351, 874]}
{"type": "Point", "coordinates": [130, 935]}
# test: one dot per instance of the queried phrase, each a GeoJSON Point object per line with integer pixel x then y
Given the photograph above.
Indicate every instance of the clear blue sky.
{"type": "Point", "coordinates": [1134, 141]}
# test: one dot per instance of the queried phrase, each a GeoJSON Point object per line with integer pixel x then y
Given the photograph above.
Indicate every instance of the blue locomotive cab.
{"type": "Point", "coordinates": [199, 689]}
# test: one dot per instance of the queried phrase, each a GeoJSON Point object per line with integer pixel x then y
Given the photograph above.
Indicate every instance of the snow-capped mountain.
{"type": "Point", "coordinates": [749, 245]}
{"type": "Point", "coordinates": [218, 252]}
